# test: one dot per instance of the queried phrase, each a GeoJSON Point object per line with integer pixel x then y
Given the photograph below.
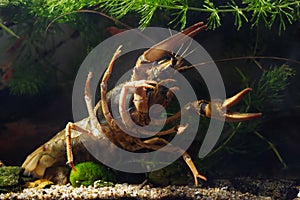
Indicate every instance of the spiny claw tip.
{"type": "Point", "coordinates": [239, 117]}
{"type": "Point", "coordinates": [203, 177]}
{"type": "Point", "coordinates": [234, 99]}
{"type": "Point", "coordinates": [248, 89]}
{"type": "Point", "coordinates": [71, 165]}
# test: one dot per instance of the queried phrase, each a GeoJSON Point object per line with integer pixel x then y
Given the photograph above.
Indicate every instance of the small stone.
{"type": "Point", "coordinates": [39, 184]}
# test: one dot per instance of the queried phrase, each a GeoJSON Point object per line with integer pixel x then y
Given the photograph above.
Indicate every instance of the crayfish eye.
{"type": "Point", "coordinates": [155, 64]}
{"type": "Point", "coordinates": [204, 108]}
{"type": "Point", "coordinates": [173, 61]}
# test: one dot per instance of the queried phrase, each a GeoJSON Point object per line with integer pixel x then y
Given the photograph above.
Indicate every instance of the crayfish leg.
{"type": "Point", "coordinates": [103, 87]}
{"type": "Point", "coordinates": [155, 144]}
{"type": "Point", "coordinates": [72, 126]}
{"type": "Point", "coordinates": [70, 160]}
{"type": "Point", "coordinates": [140, 100]}
{"type": "Point", "coordinates": [187, 158]}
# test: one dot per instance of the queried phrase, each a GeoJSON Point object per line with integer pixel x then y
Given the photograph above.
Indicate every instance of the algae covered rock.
{"type": "Point", "coordinates": [10, 178]}
{"type": "Point", "coordinates": [176, 173]}
{"type": "Point", "coordinates": [88, 172]}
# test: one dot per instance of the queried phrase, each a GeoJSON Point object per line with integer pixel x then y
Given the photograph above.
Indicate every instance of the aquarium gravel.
{"type": "Point", "coordinates": [129, 191]}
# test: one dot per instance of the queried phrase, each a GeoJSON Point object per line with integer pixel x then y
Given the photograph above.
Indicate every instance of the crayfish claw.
{"type": "Point", "coordinates": [219, 110]}
{"type": "Point", "coordinates": [238, 117]}
{"type": "Point", "coordinates": [160, 50]}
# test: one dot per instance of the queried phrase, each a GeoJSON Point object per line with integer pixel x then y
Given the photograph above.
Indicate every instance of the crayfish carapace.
{"type": "Point", "coordinates": [145, 85]}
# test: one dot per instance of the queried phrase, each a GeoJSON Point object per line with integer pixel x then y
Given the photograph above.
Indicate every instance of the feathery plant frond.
{"type": "Point", "coordinates": [269, 12]}
{"type": "Point", "coordinates": [269, 88]}
{"type": "Point", "coordinates": [146, 9]}
{"type": "Point", "coordinates": [28, 80]}
{"type": "Point", "coordinates": [214, 20]}
{"type": "Point", "coordinates": [40, 12]}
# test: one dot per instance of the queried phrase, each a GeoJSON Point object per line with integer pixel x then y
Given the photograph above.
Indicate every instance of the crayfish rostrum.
{"type": "Point", "coordinates": [146, 90]}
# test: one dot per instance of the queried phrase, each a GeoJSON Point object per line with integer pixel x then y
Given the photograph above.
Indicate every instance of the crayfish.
{"type": "Point", "coordinates": [144, 90]}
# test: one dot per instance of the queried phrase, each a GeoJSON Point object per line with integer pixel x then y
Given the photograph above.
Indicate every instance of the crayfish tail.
{"type": "Point", "coordinates": [37, 162]}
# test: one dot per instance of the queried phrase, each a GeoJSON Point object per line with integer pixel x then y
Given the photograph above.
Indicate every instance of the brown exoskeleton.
{"type": "Point", "coordinates": [146, 84]}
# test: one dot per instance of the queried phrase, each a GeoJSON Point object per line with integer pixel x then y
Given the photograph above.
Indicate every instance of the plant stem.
{"type": "Point", "coordinates": [9, 30]}
{"type": "Point", "coordinates": [226, 141]}
{"type": "Point", "coordinates": [272, 146]}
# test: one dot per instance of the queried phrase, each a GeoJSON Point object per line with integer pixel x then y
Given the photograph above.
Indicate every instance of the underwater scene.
{"type": "Point", "coordinates": [149, 99]}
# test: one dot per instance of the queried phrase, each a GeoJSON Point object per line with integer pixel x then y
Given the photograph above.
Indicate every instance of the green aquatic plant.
{"type": "Point", "coordinates": [28, 20]}
{"type": "Point", "coordinates": [29, 63]}
{"type": "Point", "coordinates": [270, 87]}
{"type": "Point", "coordinates": [244, 11]}
{"type": "Point", "coordinates": [26, 57]}
{"type": "Point", "coordinates": [268, 12]}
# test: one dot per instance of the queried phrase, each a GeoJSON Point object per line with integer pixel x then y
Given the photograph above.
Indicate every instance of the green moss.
{"type": "Point", "coordinates": [10, 179]}
{"type": "Point", "coordinates": [88, 172]}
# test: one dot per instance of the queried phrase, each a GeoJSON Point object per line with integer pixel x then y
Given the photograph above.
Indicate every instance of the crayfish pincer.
{"type": "Point", "coordinates": [145, 89]}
